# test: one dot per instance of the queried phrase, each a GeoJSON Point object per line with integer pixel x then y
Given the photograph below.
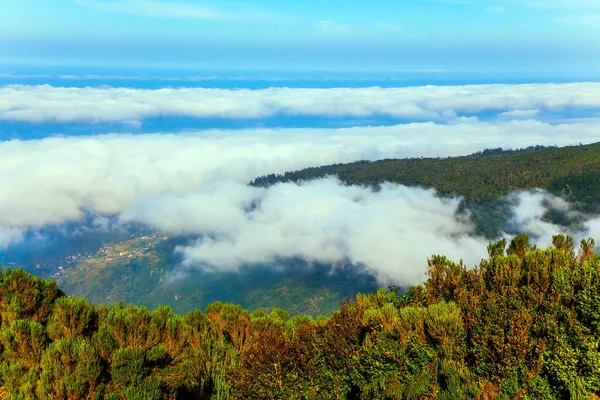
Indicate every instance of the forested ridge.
{"type": "Point", "coordinates": [524, 324]}
{"type": "Point", "coordinates": [572, 171]}
{"type": "Point", "coordinates": [482, 180]}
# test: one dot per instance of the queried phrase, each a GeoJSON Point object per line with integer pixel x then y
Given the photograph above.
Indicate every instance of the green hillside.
{"type": "Point", "coordinates": [524, 324]}
{"type": "Point", "coordinates": [140, 271]}
{"type": "Point", "coordinates": [144, 271]}
{"type": "Point", "coordinates": [482, 179]}
{"type": "Point", "coordinates": [572, 171]}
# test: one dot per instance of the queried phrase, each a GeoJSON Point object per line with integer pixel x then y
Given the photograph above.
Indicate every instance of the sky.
{"type": "Point", "coordinates": [519, 36]}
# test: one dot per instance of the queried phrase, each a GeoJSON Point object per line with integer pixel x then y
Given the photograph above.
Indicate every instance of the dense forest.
{"type": "Point", "coordinates": [482, 179]}
{"type": "Point", "coordinates": [524, 324]}
{"type": "Point", "coordinates": [573, 171]}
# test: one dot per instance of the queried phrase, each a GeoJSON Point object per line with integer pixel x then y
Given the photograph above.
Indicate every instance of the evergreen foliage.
{"type": "Point", "coordinates": [482, 179]}
{"type": "Point", "coordinates": [524, 324]}
{"type": "Point", "coordinates": [478, 177]}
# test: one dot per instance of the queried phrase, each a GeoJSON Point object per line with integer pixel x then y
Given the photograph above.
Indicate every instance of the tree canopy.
{"type": "Point", "coordinates": [523, 324]}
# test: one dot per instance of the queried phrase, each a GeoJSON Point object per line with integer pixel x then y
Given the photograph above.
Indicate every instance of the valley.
{"type": "Point", "coordinates": [146, 268]}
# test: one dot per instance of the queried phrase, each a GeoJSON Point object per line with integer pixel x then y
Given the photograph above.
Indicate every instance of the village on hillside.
{"type": "Point", "coordinates": [112, 252]}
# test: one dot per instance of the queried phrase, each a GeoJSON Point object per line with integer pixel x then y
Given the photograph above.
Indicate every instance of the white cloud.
{"type": "Point", "coordinates": [391, 232]}
{"type": "Point", "coordinates": [194, 183]}
{"type": "Point", "coordinates": [543, 4]}
{"type": "Point", "coordinates": [519, 114]}
{"type": "Point", "coordinates": [592, 229]}
{"type": "Point", "coordinates": [560, 4]}
{"type": "Point", "coordinates": [388, 27]}
{"type": "Point", "coordinates": [583, 20]}
{"type": "Point", "coordinates": [331, 27]}
{"type": "Point", "coordinates": [153, 8]}
{"type": "Point", "coordinates": [51, 180]}
{"type": "Point", "coordinates": [46, 103]}
{"type": "Point", "coordinates": [528, 213]}
{"type": "Point", "coordinates": [175, 9]}
{"type": "Point", "coordinates": [531, 206]}
{"type": "Point", "coordinates": [9, 235]}
{"type": "Point", "coordinates": [459, 2]}
{"type": "Point", "coordinates": [495, 10]}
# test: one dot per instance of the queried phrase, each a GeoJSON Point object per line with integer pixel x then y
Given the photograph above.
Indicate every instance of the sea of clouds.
{"type": "Point", "coordinates": [107, 104]}
{"type": "Point", "coordinates": [196, 183]}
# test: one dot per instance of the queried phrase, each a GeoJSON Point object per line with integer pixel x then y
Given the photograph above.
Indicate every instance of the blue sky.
{"type": "Point", "coordinates": [545, 36]}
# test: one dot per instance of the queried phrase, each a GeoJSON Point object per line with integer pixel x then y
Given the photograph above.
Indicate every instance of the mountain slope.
{"type": "Point", "coordinates": [482, 179]}
{"type": "Point", "coordinates": [145, 271]}
{"type": "Point", "coordinates": [573, 171]}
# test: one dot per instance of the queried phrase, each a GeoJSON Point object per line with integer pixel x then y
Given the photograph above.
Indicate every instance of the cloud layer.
{"type": "Point", "coordinates": [196, 184]}
{"type": "Point", "coordinates": [45, 103]}
{"type": "Point", "coordinates": [390, 232]}
{"type": "Point", "coordinates": [111, 172]}
{"type": "Point", "coordinates": [176, 9]}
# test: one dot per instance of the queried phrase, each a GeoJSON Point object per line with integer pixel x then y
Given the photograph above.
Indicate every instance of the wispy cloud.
{"type": "Point", "coordinates": [463, 2]}
{"type": "Point", "coordinates": [547, 4]}
{"type": "Point", "coordinates": [587, 20]}
{"type": "Point", "coordinates": [177, 9]}
{"type": "Point", "coordinates": [519, 114]}
{"type": "Point", "coordinates": [388, 27]}
{"type": "Point", "coordinates": [561, 4]}
{"type": "Point", "coordinates": [495, 10]}
{"type": "Point", "coordinates": [332, 27]}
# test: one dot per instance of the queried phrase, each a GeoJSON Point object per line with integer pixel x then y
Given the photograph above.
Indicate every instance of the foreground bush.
{"type": "Point", "coordinates": [524, 324]}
